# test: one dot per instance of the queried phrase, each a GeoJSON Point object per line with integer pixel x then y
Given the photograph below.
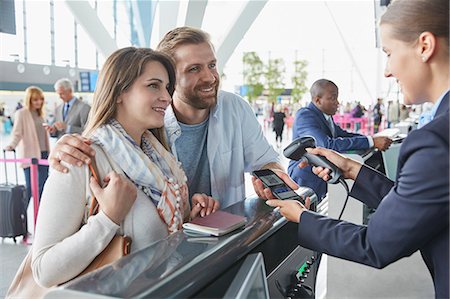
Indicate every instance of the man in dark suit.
{"type": "Point", "coordinates": [316, 120]}
{"type": "Point", "coordinates": [71, 116]}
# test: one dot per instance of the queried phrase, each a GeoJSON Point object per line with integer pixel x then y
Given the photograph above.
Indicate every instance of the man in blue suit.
{"type": "Point", "coordinates": [316, 120]}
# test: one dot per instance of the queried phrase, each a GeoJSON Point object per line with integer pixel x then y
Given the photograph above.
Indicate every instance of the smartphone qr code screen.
{"type": "Point", "coordinates": [271, 180]}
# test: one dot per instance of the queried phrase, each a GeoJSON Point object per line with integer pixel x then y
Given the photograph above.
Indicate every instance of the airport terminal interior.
{"type": "Point", "coordinates": [44, 41]}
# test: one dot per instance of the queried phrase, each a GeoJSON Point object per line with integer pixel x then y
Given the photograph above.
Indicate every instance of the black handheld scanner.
{"type": "Point", "coordinates": [297, 150]}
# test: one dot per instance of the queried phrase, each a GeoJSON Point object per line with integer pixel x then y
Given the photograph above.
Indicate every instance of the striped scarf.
{"type": "Point", "coordinates": [151, 168]}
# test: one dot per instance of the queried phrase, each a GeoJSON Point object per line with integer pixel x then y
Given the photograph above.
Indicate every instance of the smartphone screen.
{"type": "Point", "coordinates": [278, 187]}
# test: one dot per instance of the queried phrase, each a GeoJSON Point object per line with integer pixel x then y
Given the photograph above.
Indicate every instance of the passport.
{"type": "Point", "coordinates": [215, 224]}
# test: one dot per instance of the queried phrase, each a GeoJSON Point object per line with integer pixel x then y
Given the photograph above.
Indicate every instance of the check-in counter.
{"type": "Point", "coordinates": [183, 266]}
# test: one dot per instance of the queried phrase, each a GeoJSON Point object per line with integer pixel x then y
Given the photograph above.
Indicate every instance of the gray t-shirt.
{"type": "Point", "coordinates": [40, 131]}
{"type": "Point", "coordinates": [193, 155]}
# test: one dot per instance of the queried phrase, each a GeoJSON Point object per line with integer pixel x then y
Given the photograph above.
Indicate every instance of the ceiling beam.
{"type": "Point", "coordinates": [144, 11]}
{"type": "Point", "coordinates": [195, 13]}
{"type": "Point", "coordinates": [87, 17]}
{"type": "Point", "coordinates": [168, 14]}
{"type": "Point", "coordinates": [236, 33]}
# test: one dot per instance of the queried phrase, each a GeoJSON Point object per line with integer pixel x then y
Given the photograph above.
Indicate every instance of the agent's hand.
{"type": "Point", "coordinates": [382, 143]}
{"type": "Point", "coordinates": [349, 167]}
{"type": "Point", "coordinates": [73, 149]}
{"type": "Point", "coordinates": [117, 198]}
{"type": "Point", "coordinates": [290, 209]}
{"type": "Point", "coordinates": [266, 193]}
{"type": "Point", "coordinates": [203, 205]}
{"type": "Point", "coordinates": [8, 148]}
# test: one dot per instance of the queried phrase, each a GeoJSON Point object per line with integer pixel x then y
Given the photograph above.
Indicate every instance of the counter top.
{"type": "Point", "coordinates": [180, 265]}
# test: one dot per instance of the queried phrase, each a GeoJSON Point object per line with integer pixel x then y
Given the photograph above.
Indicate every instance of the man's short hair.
{"type": "Point", "coordinates": [64, 83]}
{"type": "Point", "coordinates": [180, 36]}
{"type": "Point", "coordinates": [319, 86]}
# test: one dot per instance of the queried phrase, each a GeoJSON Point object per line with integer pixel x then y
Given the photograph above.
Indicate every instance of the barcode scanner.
{"type": "Point", "coordinates": [297, 150]}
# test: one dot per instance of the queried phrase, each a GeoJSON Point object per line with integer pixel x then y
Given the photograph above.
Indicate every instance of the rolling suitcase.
{"type": "Point", "coordinates": [13, 216]}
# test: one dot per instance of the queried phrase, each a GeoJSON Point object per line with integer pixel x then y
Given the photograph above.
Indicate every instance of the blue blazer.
{"type": "Point", "coordinates": [309, 121]}
{"type": "Point", "coordinates": [412, 213]}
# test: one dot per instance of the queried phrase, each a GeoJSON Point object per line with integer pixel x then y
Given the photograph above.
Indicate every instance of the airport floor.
{"type": "Point", "coordinates": [12, 254]}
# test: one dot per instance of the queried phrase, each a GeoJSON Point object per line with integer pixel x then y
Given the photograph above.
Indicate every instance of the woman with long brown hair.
{"type": "Point", "coordinates": [146, 196]}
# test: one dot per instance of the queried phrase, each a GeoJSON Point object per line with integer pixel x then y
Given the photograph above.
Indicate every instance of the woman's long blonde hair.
{"type": "Point", "coordinates": [118, 74]}
{"type": "Point", "coordinates": [31, 92]}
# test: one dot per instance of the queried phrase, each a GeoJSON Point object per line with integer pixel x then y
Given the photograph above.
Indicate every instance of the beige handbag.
{"type": "Point", "coordinates": [24, 285]}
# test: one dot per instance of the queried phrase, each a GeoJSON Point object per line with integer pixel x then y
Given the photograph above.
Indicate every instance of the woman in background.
{"type": "Point", "coordinates": [146, 196]}
{"type": "Point", "coordinates": [278, 124]}
{"type": "Point", "coordinates": [30, 137]}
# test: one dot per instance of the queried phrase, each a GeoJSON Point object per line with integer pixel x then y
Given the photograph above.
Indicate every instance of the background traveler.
{"type": "Point", "coordinates": [71, 116]}
{"type": "Point", "coordinates": [30, 137]}
{"type": "Point", "coordinates": [316, 120]}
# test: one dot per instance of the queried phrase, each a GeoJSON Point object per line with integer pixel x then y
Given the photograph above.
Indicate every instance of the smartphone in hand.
{"type": "Point", "coordinates": [278, 187]}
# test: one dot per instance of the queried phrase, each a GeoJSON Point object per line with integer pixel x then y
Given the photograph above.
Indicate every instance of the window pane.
{"type": "Point", "coordinates": [86, 49]}
{"type": "Point", "coordinates": [64, 31]}
{"type": "Point", "coordinates": [38, 32]}
{"type": "Point", "coordinates": [105, 13]}
{"type": "Point", "coordinates": [11, 46]}
{"type": "Point", "coordinates": [123, 25]}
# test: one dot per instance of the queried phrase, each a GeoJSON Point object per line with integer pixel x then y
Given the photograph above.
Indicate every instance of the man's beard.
{"type": "Point", "coordinates": [198, 101]}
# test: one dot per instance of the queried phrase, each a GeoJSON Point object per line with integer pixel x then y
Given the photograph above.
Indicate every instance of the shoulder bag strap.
{"type": "Point", "coordinates": [94, 203]}
{"type": "Point", "coordinates": [94, 206]}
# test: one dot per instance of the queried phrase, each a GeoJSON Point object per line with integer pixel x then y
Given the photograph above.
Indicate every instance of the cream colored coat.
{"type": "Point", "coordinates": [61, 249]}
{"type": "Point", "coordinates": [24, 137]}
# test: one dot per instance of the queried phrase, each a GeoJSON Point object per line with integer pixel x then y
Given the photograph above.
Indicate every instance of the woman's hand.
{"type": "Point", "coordinates": [203, 205]}
{"type": "Point", "coordinates": [8, 148]}
{"type": "Point", "coordinates": [349, 167]}
{"type": "Point", "coordinates": [73, 149]}
{"type": "Point", "coordinates": [290, 209]}
{"type": "Point", "coordinates": [117, 197]}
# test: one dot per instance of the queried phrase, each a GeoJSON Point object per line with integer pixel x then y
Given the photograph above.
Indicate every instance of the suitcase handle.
{"type": "Point", "coordinates": [15, 163]}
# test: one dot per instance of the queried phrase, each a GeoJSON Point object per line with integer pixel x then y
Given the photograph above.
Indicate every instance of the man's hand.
{"type": "Point", "coordinates": [60, 126]}
{"type": "Point", "coordinates": [382, 143]}
{"type": "Point", "coordinates": [290, 209]}
{"type": "Point", "coordinates": [203, 205]}
{"type": "Point", "coordinates": [49, 128]}
{"type": "Point", "coordinates": [349, 167]}
{"type": "Point", "coordinates": [266, 193]}
{"type": "Point", "coordinates": [73, 149]}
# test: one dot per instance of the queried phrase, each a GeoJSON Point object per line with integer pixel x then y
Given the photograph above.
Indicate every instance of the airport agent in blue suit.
{"type": "Point", "coordinates": [412, 212]}
{"type": "Point", "coordinates": [316, 120]}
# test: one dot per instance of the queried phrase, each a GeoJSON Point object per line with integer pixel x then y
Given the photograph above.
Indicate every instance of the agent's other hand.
{"type": "Point", "coordinates": [73, 149]}
{"type": "Point", "coordinates": [117, 198]}
{"type": "Point", "coordinates": [349, 167]}
{"type": "Point", "coordinates": [266, 193]}
{"type": "Point", "coordinates": [382, 143]}
{"type": "Point", "coordinates": [290, 209]}
{"type": "Point", "coordinates": [203, 205]}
